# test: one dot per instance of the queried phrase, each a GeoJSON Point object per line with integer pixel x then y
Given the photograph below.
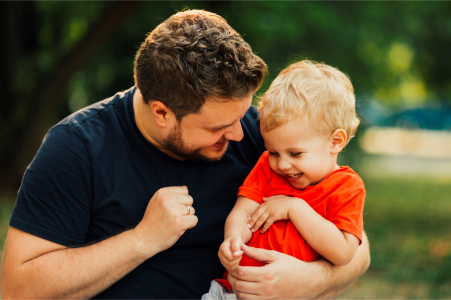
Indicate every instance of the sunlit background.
{"type": "Point", "coordinates": [58, 57]}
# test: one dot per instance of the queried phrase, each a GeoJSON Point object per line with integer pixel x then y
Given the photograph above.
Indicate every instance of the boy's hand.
{"type": "Point", "coordinates": [230, 252]}
{"type": "Point", "coordinates": [273, 209]}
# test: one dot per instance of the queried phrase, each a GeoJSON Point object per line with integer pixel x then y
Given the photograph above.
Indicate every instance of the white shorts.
{"type": "Point", "coordinates": [218, 292]}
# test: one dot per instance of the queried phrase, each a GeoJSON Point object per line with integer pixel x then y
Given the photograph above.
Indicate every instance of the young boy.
{"type": "Point", "coordinates": [297, 200]}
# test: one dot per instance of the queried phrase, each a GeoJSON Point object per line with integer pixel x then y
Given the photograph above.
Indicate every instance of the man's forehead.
{"type": "Point", "coordinates": [217, 111]}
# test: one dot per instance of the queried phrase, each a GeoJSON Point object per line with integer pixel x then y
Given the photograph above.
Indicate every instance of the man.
{"type": "Point", "coordinates": [185, 138]}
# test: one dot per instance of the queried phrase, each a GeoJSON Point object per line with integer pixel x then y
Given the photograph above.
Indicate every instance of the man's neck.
{"type": "Point", "coordinates": [146, 124]}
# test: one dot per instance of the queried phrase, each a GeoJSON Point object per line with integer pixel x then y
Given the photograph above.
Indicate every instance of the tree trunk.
{"type": "Point", "coordinates": [44, 101]}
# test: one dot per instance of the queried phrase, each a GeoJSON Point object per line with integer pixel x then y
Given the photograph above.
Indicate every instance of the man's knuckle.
{"type": "Point", "coordinates": [241, 273]}
{"type": "Point", "coordinates": [270, 276]}
{"type": "Point", "coordinates": [166, 198]}
{"type": "Point", "coordinates": [269, 291]}
{"type": "Point", "coordinates": [177, 220]}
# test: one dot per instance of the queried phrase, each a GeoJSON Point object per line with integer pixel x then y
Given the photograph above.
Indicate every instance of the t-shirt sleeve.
{"type": "Point", "coordinates": [55, 195]}
{"type": "Point", "coordinates": [345, 207]}
{"type": "Point", "coordinates": [257, 180]}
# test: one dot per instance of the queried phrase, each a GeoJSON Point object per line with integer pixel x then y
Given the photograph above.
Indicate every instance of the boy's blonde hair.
{"type": "Point", "coordinates": [314, 90]}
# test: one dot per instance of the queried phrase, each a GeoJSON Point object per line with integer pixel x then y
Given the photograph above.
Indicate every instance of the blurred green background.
{"type": "Point", "coordinates": [58, 57]}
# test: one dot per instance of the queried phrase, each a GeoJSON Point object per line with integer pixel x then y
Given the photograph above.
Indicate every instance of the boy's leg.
{"type": "Point", "coordinates": [218, 292]}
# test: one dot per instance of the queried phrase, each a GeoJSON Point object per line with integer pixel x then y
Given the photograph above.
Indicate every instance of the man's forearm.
{"type": "Point", "coordinates": [33, 267]}
{"type": "Point", "coordinates": [339, 279]}
{"type": "Point", "coordinates": [74, 272]}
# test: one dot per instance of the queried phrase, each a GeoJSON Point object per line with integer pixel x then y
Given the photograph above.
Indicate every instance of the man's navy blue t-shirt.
{"type": "Point", "coordinates": [94, 175]}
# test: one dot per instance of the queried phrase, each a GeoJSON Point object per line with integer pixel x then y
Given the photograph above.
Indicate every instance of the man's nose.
{"type": "Point", "coordinates": [235, 132]}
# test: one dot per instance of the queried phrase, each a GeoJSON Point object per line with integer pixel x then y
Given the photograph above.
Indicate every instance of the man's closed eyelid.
{"type": "Point", "coordinates": [219, 129]}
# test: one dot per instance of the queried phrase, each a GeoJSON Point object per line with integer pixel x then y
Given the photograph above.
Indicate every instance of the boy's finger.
{"type": "Point", "coordinates": [268, 198]}
{"type": "Point", "coordinates": [223, 255]}
{"type": "Point", "coordinates": [236, 246]}
{"type": "Point", "coordinates": [226, 251]}
{"type": "Point", "coordinates": [255, 216]}
{"type": "Point", "coordinates": [268, 224]}
{"type": "Point", "coordinates": [261, 220]}
{"type": "Point", "coordinates": [257, 224]}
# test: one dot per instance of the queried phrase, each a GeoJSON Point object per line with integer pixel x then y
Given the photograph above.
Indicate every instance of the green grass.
{"type": "Point", "coordinates": [408, 223]}
{"type": "Point", "coordinates": [6, 208]}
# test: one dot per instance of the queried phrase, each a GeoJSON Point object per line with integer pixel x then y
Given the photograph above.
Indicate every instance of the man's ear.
{"type": "Point", "coordinates": [161, 113]}
{"type": "Point", "coordinates": [339, 138]}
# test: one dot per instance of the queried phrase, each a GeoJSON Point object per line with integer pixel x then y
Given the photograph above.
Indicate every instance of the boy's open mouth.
{"type": "Point", "coordinates": [294, 175]}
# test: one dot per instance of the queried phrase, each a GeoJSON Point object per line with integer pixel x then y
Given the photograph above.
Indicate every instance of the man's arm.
{"type": "Point", "coordinates": [35, 268]}
{"type": "Point", "coordinates": [285, 277]}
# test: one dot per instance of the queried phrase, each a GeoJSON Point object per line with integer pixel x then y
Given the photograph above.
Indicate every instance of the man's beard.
{"type": "Point", "coordinates": [174, 143]}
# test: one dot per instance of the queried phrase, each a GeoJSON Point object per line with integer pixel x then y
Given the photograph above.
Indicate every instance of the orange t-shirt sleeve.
{"type": "Point", "coordinates": [345, 205]}
{"type": "Point", "coordinates": [257, 180]}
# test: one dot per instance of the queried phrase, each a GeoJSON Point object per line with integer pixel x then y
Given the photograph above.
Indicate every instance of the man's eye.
{"type": "Point", "coordinates": [295, 154]}
{"type": "Point", "coordinates": [217, 129]}
{"type": "Point", "coordinates": [273, 153]}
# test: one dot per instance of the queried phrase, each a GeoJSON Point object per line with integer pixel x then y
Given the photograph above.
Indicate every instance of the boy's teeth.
{"type": "Point", "coordinates": [294, 175]}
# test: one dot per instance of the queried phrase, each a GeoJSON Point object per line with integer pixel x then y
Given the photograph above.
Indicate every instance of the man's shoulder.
{"type": "Point", "coordinates": [252, 114]}
{"type": "Point", "coordinates": [96, 111]}
{"type": "Point", "coordinates": [251, 121]}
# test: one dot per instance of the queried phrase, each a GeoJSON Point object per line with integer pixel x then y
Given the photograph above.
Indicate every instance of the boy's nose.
{"type": "Point", "coordinates": [284, 165]}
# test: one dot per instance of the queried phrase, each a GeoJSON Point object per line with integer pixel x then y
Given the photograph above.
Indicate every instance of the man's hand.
{"type": "Point", "coordinates": [168, 215]}
{"type": "Point", "coordinates": [284, 277]}
{"type": "Point", "coordinates": [273, 209]}
{"type": "Point", "coordinates": [230, 252]}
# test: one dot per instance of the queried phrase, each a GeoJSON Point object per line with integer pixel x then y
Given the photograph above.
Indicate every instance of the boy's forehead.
{"type": "Point", "coordinates": [292, 127]}
{"type": "Point", "coordinates": [297, 133]}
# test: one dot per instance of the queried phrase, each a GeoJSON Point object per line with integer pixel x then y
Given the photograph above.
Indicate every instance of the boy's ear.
{"type": "Point", "coordinates": [161, 113]}
{"type": "Point", "coordinates": [339, 138]}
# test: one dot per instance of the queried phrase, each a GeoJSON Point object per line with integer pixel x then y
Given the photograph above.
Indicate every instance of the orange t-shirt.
{"type": "Point", "coordinates": [339, 198]}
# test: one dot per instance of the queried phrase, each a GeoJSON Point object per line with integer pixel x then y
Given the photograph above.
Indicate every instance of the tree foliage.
{"type": "Point", "coordinates": [60, 56]}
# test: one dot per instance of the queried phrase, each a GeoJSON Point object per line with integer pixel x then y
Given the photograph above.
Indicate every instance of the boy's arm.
{"type": "Point", "coordinates": [337, 246]}
{"type": "Point", "coordinates": [238, 219]}
{"type": "Point", "coordinates": [236, 232]}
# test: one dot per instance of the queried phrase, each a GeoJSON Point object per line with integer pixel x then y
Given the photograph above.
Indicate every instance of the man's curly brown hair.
{"type": "Point", "coordinates": [194, 56]}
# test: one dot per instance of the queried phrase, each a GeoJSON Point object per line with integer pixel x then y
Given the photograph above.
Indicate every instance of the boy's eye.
{"type": "Point", "coordinates": [273, 153]}
{"type": "Point", "coordinates": [295, 154]}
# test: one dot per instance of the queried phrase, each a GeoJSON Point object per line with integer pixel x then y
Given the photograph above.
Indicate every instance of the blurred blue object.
{"type": "Point", "coordinates": [373, 113]}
